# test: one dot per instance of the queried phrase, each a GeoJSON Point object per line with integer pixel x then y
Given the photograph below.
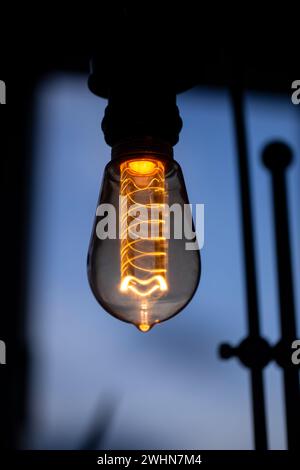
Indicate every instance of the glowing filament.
{"type": "Point", "coordinates": [143, 259]}
{"type": "Point", "coordinates": [127, 282]}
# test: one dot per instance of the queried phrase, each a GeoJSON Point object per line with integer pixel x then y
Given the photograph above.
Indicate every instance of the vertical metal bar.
{"type": "Point", "coordinates": [277, 157]}
{"type": "Point", "coordinates": [257, 385]}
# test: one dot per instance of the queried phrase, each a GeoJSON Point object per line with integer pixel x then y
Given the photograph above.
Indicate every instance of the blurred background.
{"type": "Point", "coordinates": [77, 378]}
{"type": "Point", "coordinates": [168, 388]}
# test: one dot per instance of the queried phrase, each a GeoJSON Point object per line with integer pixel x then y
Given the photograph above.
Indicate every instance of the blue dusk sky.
{"type": "Point", "coordinates": [169, 387]}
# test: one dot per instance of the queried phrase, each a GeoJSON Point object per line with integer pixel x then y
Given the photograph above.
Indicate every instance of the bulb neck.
{"type": "Point", "coordinates": [142, 146]}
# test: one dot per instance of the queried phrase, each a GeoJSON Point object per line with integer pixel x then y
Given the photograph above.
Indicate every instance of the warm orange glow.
{"type": "Point", "coordinates": [144, 327]}
{"type": "Point", "coordinates": [142, 167]}
{"type": "Point", "coordinates": [127, 282]}
{"type": "Point", "coordinates": [143, 259]}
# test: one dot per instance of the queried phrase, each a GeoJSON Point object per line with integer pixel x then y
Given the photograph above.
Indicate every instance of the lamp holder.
{"type": "Point", "coordinates": [136, 110]}
{"type": "Point", "coordinates": [141, 100]}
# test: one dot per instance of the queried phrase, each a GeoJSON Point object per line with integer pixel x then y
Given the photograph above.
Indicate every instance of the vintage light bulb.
{"type": "Point", "coordinates": [140, 265]}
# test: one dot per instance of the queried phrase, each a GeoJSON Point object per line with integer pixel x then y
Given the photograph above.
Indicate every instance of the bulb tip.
{"type": "Point", "coordinates": [144, 327]}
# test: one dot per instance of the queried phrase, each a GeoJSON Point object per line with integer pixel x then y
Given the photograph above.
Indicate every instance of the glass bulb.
{"type": "Point", "coordinates": [140, 265]}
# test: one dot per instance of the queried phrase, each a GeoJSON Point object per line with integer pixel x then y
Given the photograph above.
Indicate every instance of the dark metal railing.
{"type": "Point", "coordinates": [255, 352]}
{"type": "Point", "coordinates": [247, 351]}
{"type": "Point", "coordinates": [277, 157]}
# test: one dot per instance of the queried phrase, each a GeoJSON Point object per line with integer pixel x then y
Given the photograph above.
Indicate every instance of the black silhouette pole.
{"type": "Point", "coordinates": [254, 351]}
{"type": "Point", "coordinates": [277, 157]}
